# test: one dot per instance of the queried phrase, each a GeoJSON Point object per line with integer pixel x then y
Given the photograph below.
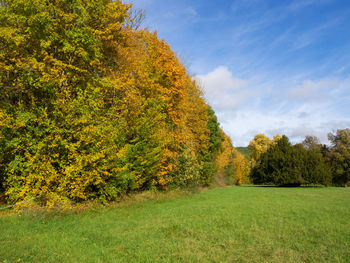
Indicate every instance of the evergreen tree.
{"type": "Point", "coordinates": [287, 165]}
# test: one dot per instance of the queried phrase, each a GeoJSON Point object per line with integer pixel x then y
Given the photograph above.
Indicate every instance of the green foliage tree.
{"type": "Point", "coordinates": [339, 156]}
{"type": "Point", "coordinates": [214, 146]}
{"type": "Point", "coordinates": [286, 165]}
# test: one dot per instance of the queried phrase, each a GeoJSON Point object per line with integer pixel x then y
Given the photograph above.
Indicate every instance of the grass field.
{"type": "Point", "coordinates": [238, 224]}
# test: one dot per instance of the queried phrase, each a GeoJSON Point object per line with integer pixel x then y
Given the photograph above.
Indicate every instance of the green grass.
{"type": "Point", "coordinates": [238, 224]}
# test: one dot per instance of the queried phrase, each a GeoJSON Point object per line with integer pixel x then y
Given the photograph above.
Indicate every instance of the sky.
{"type": "Point", "coordinates": [265, 66]}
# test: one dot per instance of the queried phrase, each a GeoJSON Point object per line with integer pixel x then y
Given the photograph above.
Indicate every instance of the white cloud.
{"type": "Point", "coordinates": [248, 107]}
{"type": "Point", "coordinates": [245, 124]}
{"type": "Point", "coordinates": [222, 90]}
{"type": "Point", "coordinates": [313, 90]}
{"type": "Point", "coordinates": [222, 79]}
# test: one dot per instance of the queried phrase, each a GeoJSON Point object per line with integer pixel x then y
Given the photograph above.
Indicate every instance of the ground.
{"type": "Point", "coordinates": [235, 224]}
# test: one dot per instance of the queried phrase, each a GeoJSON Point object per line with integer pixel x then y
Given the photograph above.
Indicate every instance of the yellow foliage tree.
{"type": "Point", "coordinates": [259, 145]}
{"type": "Point", "coordinates": [241, 168]}
{"type": "Point", "coordinates": [232, 164]}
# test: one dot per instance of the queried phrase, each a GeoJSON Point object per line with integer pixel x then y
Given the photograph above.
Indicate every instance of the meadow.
{"type": "Point", "coordinates": [233, 224]}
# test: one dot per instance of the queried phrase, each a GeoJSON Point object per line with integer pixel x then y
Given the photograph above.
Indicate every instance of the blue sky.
{"type": "Point", "coordinates": [265, 66]}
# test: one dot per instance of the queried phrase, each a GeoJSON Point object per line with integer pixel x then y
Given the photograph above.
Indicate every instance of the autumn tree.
{"type": "Point", "coordinates": [233, 167]}
{"type": "Point", "coordinates": [56, 87]}
{"type": "Point", "coordinates": [241, 169]}
{"type": "Point", "coordinates": [224, 160]}
{"type": "Point", "coordinates": [259, 145]}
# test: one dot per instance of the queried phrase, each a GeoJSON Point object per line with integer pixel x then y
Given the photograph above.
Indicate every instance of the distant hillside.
{"type": "Point", "coordinates": [243, 150]}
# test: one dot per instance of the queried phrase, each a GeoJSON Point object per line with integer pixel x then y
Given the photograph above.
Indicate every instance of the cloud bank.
{"type": "Point", "coordinates": [305, 107]}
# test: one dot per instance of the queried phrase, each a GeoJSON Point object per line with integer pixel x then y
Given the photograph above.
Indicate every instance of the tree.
{"type": "Point", "coordinates": [259, 145]}
{"type": "Point", "coordinates": [311, 142]}
{"type": "Point", "coordinates": [209, 154]}
{"type": "Point", "coordinates": [241, 168]}
{"type": "Point", "coordinates": [340, 156]}
{"type": "Point", "coordinates": [58, 127]}
{"type": "Point", "coordinates": [233, 167]}
{"type": "Point", "coordinates": [315, 169]}
{"type": "Point", "coordinates": [286, 165]}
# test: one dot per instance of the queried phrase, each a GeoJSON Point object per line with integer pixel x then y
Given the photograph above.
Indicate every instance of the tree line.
{"type": "Point", "coordinates": [92, 106]}
{"type": "Point", "coordinates": [278, 162]}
